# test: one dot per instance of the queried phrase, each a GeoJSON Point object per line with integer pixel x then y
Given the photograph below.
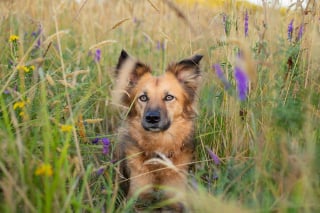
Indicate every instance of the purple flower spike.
{"type": "Point", "coordinates": [160, 45]}
{"type": "Point", "coordinates": [224, 19]}
{"type": "Point", "coordinates": [106, 145]}
{"type": "Point", "coordinates": [300, 32]}
{"type": "Point", "coordinates": [37, 34]}
{"type": "Point", "coordinates": [290, 30]}
{"type": "Point", "coordinates": [95, 140]}
{"type": "Point", "coordinates": [242, 83]}
{"type": "Point", "coordinates": [100, 171]}
{"type": "Point", "coordinates": [97, 56]}
{"type": "Point", "coordinates": [221, 76]}
{"type": "Point", "coordinates": [213, 156]}
{"type": "Point", "coordinates": [246, 23]}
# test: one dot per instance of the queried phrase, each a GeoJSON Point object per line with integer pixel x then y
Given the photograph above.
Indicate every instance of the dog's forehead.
{"type": "Point", "coordinates": [163, 83]}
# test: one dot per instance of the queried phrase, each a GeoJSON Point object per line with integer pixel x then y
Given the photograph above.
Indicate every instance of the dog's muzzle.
{"type": "Point", "coordinates": [154, 121]}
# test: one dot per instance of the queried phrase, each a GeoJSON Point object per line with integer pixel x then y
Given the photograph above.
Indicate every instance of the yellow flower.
{"type": "Point", "coordinates": [21, 114]}
{"type": "Point", "coordinates": [24, 68]}
{"type": "Point", "coordinates": [44, 169]}
{"type": "Point", "coordinates": [13, 38]}
{"type": "Point", "coordinates": [66, 128]}
{"type": "Point", "coordinates": [31, 67]}
{"type": "Point", "coordinates": [19, 104]}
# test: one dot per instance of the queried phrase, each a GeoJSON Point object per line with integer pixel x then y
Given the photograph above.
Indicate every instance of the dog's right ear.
{"type": "Point", "coordinates": [123, 56]}
{"type": "Point", "coordinates": [128, 72]}
{"type": "Point", "coordinates": [130, 69]}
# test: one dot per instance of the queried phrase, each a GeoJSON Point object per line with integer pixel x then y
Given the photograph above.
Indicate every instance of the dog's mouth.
{"type": "Point", "coordinates": [159, 127]}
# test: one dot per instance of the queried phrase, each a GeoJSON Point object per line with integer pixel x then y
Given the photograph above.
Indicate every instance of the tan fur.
{"type": "Point", "coordinates": [174, 139]}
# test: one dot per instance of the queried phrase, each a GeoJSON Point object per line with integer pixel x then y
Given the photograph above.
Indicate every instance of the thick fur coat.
{"type": "Point", "coordinates": [156, 141]}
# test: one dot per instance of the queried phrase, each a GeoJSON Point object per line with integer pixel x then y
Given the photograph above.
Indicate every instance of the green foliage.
{"type": "Point", "coordinates": [55, 102]}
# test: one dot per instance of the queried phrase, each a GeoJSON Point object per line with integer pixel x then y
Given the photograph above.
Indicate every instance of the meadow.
{"type": "Point", "coordinates": [258, 124]}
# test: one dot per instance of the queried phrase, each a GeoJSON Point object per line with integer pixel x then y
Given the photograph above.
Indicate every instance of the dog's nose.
{"type": "Point", "coordinates": [152, 117]}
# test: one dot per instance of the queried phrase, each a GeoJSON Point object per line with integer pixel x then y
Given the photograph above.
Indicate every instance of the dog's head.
{"type": "Point", "coordinates": [157, 101]}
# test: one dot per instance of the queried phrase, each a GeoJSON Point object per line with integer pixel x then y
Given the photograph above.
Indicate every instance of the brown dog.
{"type": "Point", "coordinates": [155, 145]}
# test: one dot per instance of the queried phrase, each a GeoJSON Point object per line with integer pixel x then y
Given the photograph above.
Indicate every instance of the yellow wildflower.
{"type": "Point", "coordinates": [31, 68]}
{"type": "Point", "coordinates": [13, 38]}
{"type": "Point", "coordinates": [19, 104]}
{"type": "Point", "coordinates": [66, 128]}
{"type": "Point", "coordinates": [24, 68]}
{"type": "Point", "coordinates": [44, 169]}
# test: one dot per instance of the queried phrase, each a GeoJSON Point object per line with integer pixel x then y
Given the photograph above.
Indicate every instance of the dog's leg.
{"type": "Point", "coordinates": [175, 187]}
{"type": "Point", "coordinates": [140, 179]}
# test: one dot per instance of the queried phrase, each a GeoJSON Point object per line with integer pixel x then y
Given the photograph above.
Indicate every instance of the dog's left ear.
{"type": "Point", "coordinates": [187, 72]}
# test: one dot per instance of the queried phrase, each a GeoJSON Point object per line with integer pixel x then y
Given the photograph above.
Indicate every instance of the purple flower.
{"type": "Point", "coordinates": [160, 45]}
{"type": "Point", "coordinates": [226, 24]}
{"type": "Point", "coordinates": [37, 34]}
{"type": "Point", "coordinates": [300, 32]}
{"type": "Point", "coordinates": [290, 30]}
{"type": "Point", "coordinates": [240, 55]}
{"type": "Point", "coordinates": [97, 55]}
{"type": "Point", "coordinates": [213, 156]}
{"type": "Point", "coordinates": [224, 19]}
{"type": "Point", "coordinates": [6, 92]}
{"type": "Point", "coordinates": [215, 175]}
{"type": "Point", "coordinates": [100, 171]}
{"type": "Point", "coordinates": [221, 76]}
{"type": "Point", "coordinates": [242, 83]}
{"type": "Point", "coordinates": [246, 23]}
{"type": "Point", "coordinates": [95, 140]}
{"type": "Point", "coordinates": [106, 145]}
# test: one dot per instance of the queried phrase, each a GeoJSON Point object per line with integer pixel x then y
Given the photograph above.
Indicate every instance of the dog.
{"type": "Point", "coordinates": [155, 144]}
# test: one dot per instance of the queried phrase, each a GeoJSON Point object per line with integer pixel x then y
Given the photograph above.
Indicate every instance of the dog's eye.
{"type": "Point", "coordinates": [169, 98]}
{"type": "Point", "coordinates": [143, 98]}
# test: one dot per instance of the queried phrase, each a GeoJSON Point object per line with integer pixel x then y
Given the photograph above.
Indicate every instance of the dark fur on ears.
{"type": "Point", "coordinates": [123, 56]}
{"type": "Point", "coordinates": [134, 71]}
{"type": "Point", "coordinates": [128, 72]}
{"type": "Point", "coordinates": [187, 72]}
{"type": "Point", "coordinates": [193, 61]}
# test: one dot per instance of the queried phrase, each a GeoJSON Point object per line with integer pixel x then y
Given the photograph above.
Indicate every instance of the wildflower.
{"type": "Point", "coordinates": [44, 169]}
{"type": "Point", "coordinates": [213, 156]}
{"type": "Point", "coordinates": [224, 19]}
{"type": "Point", "coordinates": [95, 141]}
{"type": "Point", "coordinates": [221, 76]}
{"type": "Point", "coordinates": [106, 145]}
{"type": "Point", "coordinates": [66, 128]}
{"type": "Point", "coordinates": [242, 83]}
{"type": "Point", "coordinates": [100, 171]}
{"type": "Point", "coordinates": [97, 55]}
{"type": "Point", "coordinates": [226, 24]}
{"type": "Point", "coordinates": [300, 32]}
{"type": "Point", "coordinates": [290, 30]}
{"type": "Point", "coordinates": [160, 45]}
{"type": "Point", "coordinates": [26, 69]}
{"type": "Point", "coordinates": [37, 34]}
{"type": "Point", "coordinates": [13, 38]}
{"type": "Point", "coordinates": [22, 114]}
{"type": "Point", "coordinates": [215, 176]}
{"type": "Point", "coordinates": [19, 104]}
{"type": "Point", "coordinates": [246, 23]}
{"type": "Point", "coordinates": [31, 68]}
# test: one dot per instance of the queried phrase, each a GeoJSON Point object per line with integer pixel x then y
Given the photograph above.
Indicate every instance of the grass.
{"type": "Point", "coordinates": [55, 99]}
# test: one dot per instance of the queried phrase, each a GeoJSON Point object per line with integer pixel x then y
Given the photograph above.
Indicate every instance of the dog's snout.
{"type": "Point", "coordinates": [153, 117]}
